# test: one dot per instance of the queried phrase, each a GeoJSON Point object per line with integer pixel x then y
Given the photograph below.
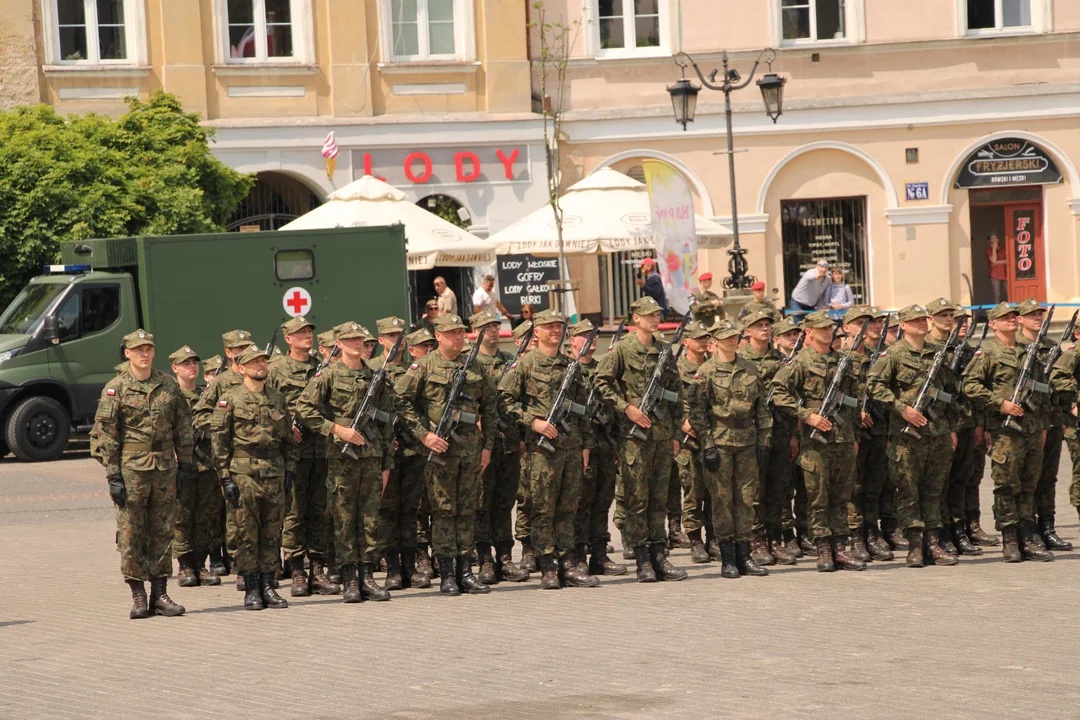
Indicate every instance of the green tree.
{"type": "Point", "coordinates": [150, 172]}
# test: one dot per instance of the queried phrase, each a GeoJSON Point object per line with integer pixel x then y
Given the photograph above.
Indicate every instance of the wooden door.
{"type": "Point", "coordinates": [1027, 267]}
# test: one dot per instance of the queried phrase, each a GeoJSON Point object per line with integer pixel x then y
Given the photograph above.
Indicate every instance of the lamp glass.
{"type": "Point", "coordinates": [684, 100]}
{"type": "Point", "coordinates": [772, 92]}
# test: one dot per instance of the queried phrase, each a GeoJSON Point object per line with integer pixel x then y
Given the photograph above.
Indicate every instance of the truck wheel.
{"type": "Point", "coordinates": [38, 430]}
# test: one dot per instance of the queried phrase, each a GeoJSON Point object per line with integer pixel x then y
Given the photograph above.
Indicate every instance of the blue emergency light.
{"type": "Point", "coordinates": [66, 269]}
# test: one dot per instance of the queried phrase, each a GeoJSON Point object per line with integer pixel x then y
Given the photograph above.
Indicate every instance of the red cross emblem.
{"type": "Point", "coordinates": [296, 301]}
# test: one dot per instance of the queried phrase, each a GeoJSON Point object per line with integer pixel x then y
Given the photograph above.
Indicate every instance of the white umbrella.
{"type": "Point", "coordinates": [606, 212]}
{"type": "Point", "coordinates": [431, 241]}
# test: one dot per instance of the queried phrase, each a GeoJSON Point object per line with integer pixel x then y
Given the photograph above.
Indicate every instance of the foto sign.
{"type": "Point", "coordinates": [918, 191]}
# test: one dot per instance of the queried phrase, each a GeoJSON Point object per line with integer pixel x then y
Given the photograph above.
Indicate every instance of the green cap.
{"type": "Point", "coordinates": [786, 325]}
{"type": "Point", "coordinates": [818, 319]}
{"type": "Point", "coordinates": [212, 364]}
{"type": "Point", "coordinates": [913, 312]}
{"type": "Point", "coordinates": [645, 306]}
{"type": "Point", "coordinates": [724, 329]}
{"type": "Point", "coordinates": [391, 325]}
{"type": "Point", "coordinates": [756, 316]}
{"type": "Point", "coordinates": [295, 325]}
{"type": "Point", "coordinates": [482, 318]}
{"type": "Point", "coordinates": [960, 313]}
{"type": "Point", "coordinates": [521, 329]}
{"type": "Point", "coordinates": [859, 311]}
{"type": "Point", "coordinates": [879, 314]}
{"type": "Point", "coordinates": [237, 338]}
{"type": "Point", "coordinates": [547, 317]}
{"type": "Point", "coordinates": [327, 339]}
{"type": "Point", "coordinates": [939, 306]}
{"type": "Point", "coordinates": [582, 327]}
{"type": "Point", "coordinates": [183, 354]}
{"type": "Point", "coordinates": [1028, 306]}
{"type": "Point", "coordinates": [137, 339]}
{"type": "Point", "coordinates": [446, 323]}
{"type": "Point", "coordinates": [421, 336]}
{"type": "Point", "coordinates": [251, 353]}
{"type": "Point", "coordinates": [696, 330]}
{"type": "Point", "coordinates": [1000, 310]}
{"type": "Point", "coordinates": [348, 330]}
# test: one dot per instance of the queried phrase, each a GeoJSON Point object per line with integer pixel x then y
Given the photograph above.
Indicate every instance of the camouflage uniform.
{"type": "Point", "coordinates": [963, 460]}
{"type": "Point", "coordinates": [707, 306]}
{"type": "Point", "coordinates": [598, 483]}
{"type": "Point", "coordinates": [873, 489]}
{"type": "Point", "coordinates": [198, 510]}
{"type": "Point", "coordinates": [696, 509]}
{"type": "Point", "coordinates": [1065, 380]}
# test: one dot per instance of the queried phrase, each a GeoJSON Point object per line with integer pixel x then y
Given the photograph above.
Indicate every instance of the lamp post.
{"type": "Point", "coordinates": [684, 102]}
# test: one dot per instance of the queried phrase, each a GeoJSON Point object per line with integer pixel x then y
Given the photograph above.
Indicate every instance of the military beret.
{"type": "Point", "coordinates": [705, 276]}
{"type": "Point", "coordinates": [253, 352]}
{"type": "Point", "coordinates": [446, 323]}
{"type": "Point", "coordinates": [390, 325]}
{"type": "Point", "coordinates": [421, 336]}
{"type": "Point", "coordinates": [1000, 310]}
{"type": "Point", "coordinates": [521, 329]}
{"type": "Point", "coordinates": [859, 311]}
{"type": "Point", "coordinates": [183, 354]}
{"type": "Point", "coordinates": [326, 339]}
{"type": "Point", "coordinates": [940, 305]}
{"type": "Point", "coordinates": [759, 285]}
{"type": "Point", "coordinates": [137, 339]}
{"type": "Point", "coordinates": [696, 330]}
{"type": "Point", "coordinates": [237, 338]}
{"type": "Point", "coordinates": [785, 326]}
{"type": "Point", "coordinates": [724, 329]}
{"type": "Point", "coordinates": [913, 312]}
{"type": "Point", "coordinates": [482, 318]}
{"type": "Point", "coordinates": [582, 327]}
{"type": "Point", "coordinates": [295, 325]}
{"type": "Point", "coordinates": [547, 317]}
{"type": "Point", "coordinates": [349, 330]}
{"type": "Point", "coordinates": [756, 316]}
{"type": "Point", "coordinates": [1028, 306]}
{"type": "Point", "coordinates": [645, 306]}
{"type": "Point", "coordinates": [212, 364]}
{"type": "Point", "coordinates": [818, 319]}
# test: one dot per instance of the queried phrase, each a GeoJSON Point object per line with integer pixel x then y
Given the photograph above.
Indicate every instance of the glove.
{"type": "Point", "coordinates": [290, 478]}
{"type": "Point", "coordinates": [117, 489]}
{"type": "Point", "coordinates": [712, 459]}
{"type": "Point", "coordinates": [185, 473]}
{"type": "Point", "coordinates": [230, 491]}
{"type": "Point", "coordinates": [762, 455]}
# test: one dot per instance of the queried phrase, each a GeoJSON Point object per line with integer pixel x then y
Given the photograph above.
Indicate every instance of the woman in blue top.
{"type": "Point", "coordinates": [838, 296]}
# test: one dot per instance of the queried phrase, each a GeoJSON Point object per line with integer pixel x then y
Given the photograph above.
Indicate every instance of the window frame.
{"type": "Point", "coordinates": [1041, 21]}
{"type": "Point", "coordinates": [629, 31]}
{"type": "Point", "coordinates": [82, 307]}
{"type": "Point", "coordinates": [854, 21]}
{"type": "Point", "coordinates": [464, 36]}
{"type": "Point", "coordinates": [303, 35]}
{"type": "Point", "coordinates": [134, 35]}
{"type": "Point", "coordinates": [277, 267]}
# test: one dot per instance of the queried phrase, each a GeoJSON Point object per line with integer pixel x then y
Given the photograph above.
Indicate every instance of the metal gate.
{"type": "Point", "coordinates": [832, 229]}
{"type": "Point", "coordinates": [274, 201]}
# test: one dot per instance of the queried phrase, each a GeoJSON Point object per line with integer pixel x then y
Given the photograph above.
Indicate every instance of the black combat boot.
{"type": "Point", "coordinates": [467, 580]}
{"type": "Point", "coordinates": [663, 567]}
{"type": "Point", "coordinates": [253, 599]}
{"type": "Point", "coordinates": [486, 572]}
{"type": "Point", "coordinates": [1010, 548]}
{"type": "Point", "coordinates": [698, 553]}
{"type": "Point", "coordinates": [601, 563]}
{"type": "Point", "coordinates": [206, 577]}
{"type": "Point", "coordinates": [394, 579]}
{"type": "Point", "coordinates": [186, 577]}
{"type": "Point", "coordinates": [963, 544]}
{"type": "Point", "coordinates": [574, 575]}
{"type": "Point", "coordinates": [945, 538]}
{"type": "Point", "coordinates": [843, 558]}
{"type": "Point", "coordinates": [824, 555]}
{"type": "Point", "coordinates": [505, 567]}
{"type": "Point", "coordinates": [368, 587]}
{"type": "Point", "coordinates": [333, 573]}
{"type": "Point", "coordinates": [744, 561]}
{"type": "Point", "coordinates": [1031, 545]}
{"type": "Point", "coordinates": [792, 545]}
{"type": "Point", "coordinates": [410, 573]}
{"type": "Point", "coordinates": [160, 602]}
{"type": "Point", "coordinates": [528, 556]}
{"type": "Point", "coordinates": [300, 585]}
{"type": "Point", "coordinates": [979, 536]}
{"type": "Point", "coordinates": [676, 536]}
{"type": "Point", "coordinates": [778, 550]}
{"type": "Point", "coordinates": [645, 572]}
{"type": "Point", "coordinates": [879, 549]}
{"type": "Point", "coordinates": [858, 547]}
{"type": "Point", "coordinates": [270, 597]}
{"type": "Point", "coordinates": [217, 564]}
{"type": "Point", "coordinates": [935, 551]}
{"type": "Point", "coordinates": [423, 562]}
{"type": "Point", "coordinates": [319, 581]}
{"type": "Point", "coordinates": [1050, 537]}
{"type": "Point", "coordinates": [759, 550]}
{"type": "Point", "coordinates": [139, 608]}
{"type": "Point", "coordinates": [808, 546]}
{"type": "Point", "coordinates": [351, 577]}
{"type": "Point", "coordinates": [728, 567]}
{"type": "Point", "coordinates": [915, 548]}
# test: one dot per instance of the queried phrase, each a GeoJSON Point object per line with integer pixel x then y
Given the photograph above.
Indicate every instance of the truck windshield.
{"type": "Point", "coordinates": [25, 311]}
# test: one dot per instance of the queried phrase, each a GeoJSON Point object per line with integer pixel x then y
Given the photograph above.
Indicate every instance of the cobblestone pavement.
{"type": "Point", "coordinates": [984, 639]}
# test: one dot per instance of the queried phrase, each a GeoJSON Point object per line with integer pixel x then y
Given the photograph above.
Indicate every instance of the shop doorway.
{"type": "Point", "coordinates": [832, 229]}
{"type": "Point", "coordinates": [1014, 216]}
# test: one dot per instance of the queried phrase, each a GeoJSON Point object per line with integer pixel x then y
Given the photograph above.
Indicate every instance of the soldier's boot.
{"type": "Point", "coordinates": [645, 572]}
{"type": "Point", "coordinates": [979, 536]}
{"type": "Point", "coordinates": [423, 562]}
{"type": "Point", "coordinates": [744, 561]}
{"type": "Point", "coordinates": [270, 597]}
{"type": "Point", "coordinates": [574, 574]}
{"type": "Point", "coordinates": [160, 602]}
{"type": "Point", "coordinates": [333, 573]}
{"type": "Point", "coordinates": [808, 546]}
{"type": "Point", "coordinates": [253, 593]}
{"type": "Point", "coordinates": [486, 568]}
{"type": "Point", "coordinates": [217, 564]}
{"type": "Point", "coordinates": [915, 549]}
{"type": "Point", "coordinates": [729, 568]}
{"type": "Point", "coordinates": [505, 567]}
{"type": "Point", "coordinates": [319, 582]}
{"type": "Point", "coordinates": [935, 551]}
{"type": "Point", "coordinates": [549, 573]}
{"type": "Point", "coordinates": [410, 572]}
{"type": "Point", "coordinates": [601, 564]}
{"type": "Point", "coordinates": [394, 579]}
{"type": "Point", "coordinates": [893, 535]}
{"type": "Point", "coordinates": [713, 548]}
{"type": "Point", "coordinates": [792, 545]}
{"type": "Point", "coordinates": [1031, 545]}
{"type": "Point", "coordinates": [628, 552]}
{"type": "Point", "coordinates": [281, 572]}
{"type": "Point", "coordinates": [186, 576]}
{"type": "Point", "coordinates": [963, 543]}
{"type": "Point", "coordinates": [351, 579]}
{"type": "Point", "coordinates": [1010, 548]}
{"type": "Point", "coordinates": [759, 550]}
{"type": "Point", "coordinates": [778, 550]}
{"type": "Point", "coordinates": [206, 577]}
{"type": "Point", "coordinates": [662, 566]}
{"type": "Point", "coordinates": [858, 547]}
{"type": "Point", "coordinates": [241, 586]}
{"type": "Point", "coordinates": [824, 555]}
{"type": "Point", "coordinates": [842, 554]}
{"type": "Point", "coordinates": [698, 553]}
{"type": "Point", "coordinates": [945, 538]}
{"type": "Point", "coordinates": [581, 559]}
{"type": "Point", "coordinates": [467, 580]}
{"type": "Point", "coordinates": [368, 587]}
{"type": "Point", "coordinates": [676, 535]}
{"type": "Point", "coordinates": [300, 586]}
{"type": "Point", "coordinates": [1050, 537]}
{"type": "Point", "coordinates": [139, 608]}
{"type": "Point", "coordinates": [528, 556]}
{"type": "Point", "coordinates": [879, 549]}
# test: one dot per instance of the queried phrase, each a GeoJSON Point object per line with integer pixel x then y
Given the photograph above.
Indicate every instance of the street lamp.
{"type": "Point", "coordinates": [684, 102]}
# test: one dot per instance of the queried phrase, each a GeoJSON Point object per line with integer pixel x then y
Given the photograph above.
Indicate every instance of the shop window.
{"type": "Point", "coordinates": [832, 229]}
{"type": "Point", "coordinates": [629, 27]}
{"type": "Point", "coordinates": [421, 30]}
{"type": "Point", "coordinates": [264, 31]}
{"type": "Point", "coordinates": [294, 264]}
{"type": "Point", "coordinates": [805, 21]}
{"type": "Point", "coordinates": [93, 32]}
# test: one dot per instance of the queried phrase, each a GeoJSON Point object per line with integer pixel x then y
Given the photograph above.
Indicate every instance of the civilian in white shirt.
{"type": "Point", "coordinates": [485, 298]}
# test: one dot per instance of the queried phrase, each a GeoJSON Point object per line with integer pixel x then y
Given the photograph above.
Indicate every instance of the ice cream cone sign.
{"type": "Point", "coordinates": [330, 153]}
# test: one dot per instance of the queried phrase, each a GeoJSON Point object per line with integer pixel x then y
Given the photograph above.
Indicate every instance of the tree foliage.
{"type": "Point", "coordinates": [150, 172]}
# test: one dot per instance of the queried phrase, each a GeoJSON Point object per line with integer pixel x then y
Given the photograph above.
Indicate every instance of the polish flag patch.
{"type": "Point", "coordinates": [513, 365]}
{"type": "Point", "coordinates": [223, 403]}
{"type": "Point", "coordinates": [413, 366]}
{"type": "Point", "coordinates": [110, 391]}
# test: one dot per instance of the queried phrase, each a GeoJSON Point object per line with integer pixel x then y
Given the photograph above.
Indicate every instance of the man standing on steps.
{"type": "Point", "coordinates": [143, 427]}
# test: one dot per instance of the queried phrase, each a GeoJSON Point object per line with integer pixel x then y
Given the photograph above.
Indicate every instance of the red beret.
{"type": "Point", "coordinates": [705, 276]}
{"type": "Point", "coordinates": [648, 261]}
{"type": "Point", "coordinates": [759, 285]}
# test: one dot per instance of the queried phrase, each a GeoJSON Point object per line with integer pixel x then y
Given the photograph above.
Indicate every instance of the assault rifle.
{"type": "Point", "coordinates": [835, 398]}
{"type": "Point", "coordinates": [326, 363]}
{"type": "Point", "coordinates": [787, 361]}
{"type": "Point", "coordinates": [928, 394]}
{"type": "Point", "coordinates": [1026, 385]}
{"type": "Point", "coordinates": [451, 416]}
{"type": "Point", "coordinates": [368, 410]}
{"type": "Point", "coordinates": [269, 350]}
{"type": "Point", "coordinates": [564, 405]}
{"type": "Point", "coordinates": [1055, 351]}
{"type": "Point", "coordinates": [595, 409]}
{"type": "Point", "coordinates": [654, 391]}
{"type": "Point", "coordinates": [522, 344]}
{"type": "Point", "coordinates": [867, 406]}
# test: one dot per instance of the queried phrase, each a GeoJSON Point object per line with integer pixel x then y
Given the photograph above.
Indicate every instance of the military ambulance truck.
{"type": "Point", "coordinates": [60, 338]}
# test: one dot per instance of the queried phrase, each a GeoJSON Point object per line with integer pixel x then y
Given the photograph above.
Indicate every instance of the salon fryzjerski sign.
{"type": "Point", "coordinates": [1008, 161]}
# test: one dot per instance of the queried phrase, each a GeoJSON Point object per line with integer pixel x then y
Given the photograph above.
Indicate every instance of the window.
{"type": "Point", "coordinates": [996, 15]}
{"type": "Point", "coordinates": [67, 317]}
{"type": "Point", "coordinates": [97, 32]}
{"type": "Point", "coordinates": [418, 30]}
{"type": "Point", "coordinates": [100, 308]}
{"type": "Point", "coordinates": [260, 29]}
{"type": "Point", "coordinates": [626, 27]}
{"type": "Point", "coordinates": [813, 20]}
{"type": "Point", "coordinates": [294, 264]}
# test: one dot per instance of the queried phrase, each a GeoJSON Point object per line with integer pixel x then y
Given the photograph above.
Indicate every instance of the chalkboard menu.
{"type": "Point", "coordinates": [523, 280]}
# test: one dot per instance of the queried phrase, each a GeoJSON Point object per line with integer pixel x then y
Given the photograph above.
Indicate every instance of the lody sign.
{"type": "Point", "coordinates": [405, 167]}
{"type": "Point", "coordinates": [1008, 161]}
{"type": "Point", "coordinates": [523, 280]}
